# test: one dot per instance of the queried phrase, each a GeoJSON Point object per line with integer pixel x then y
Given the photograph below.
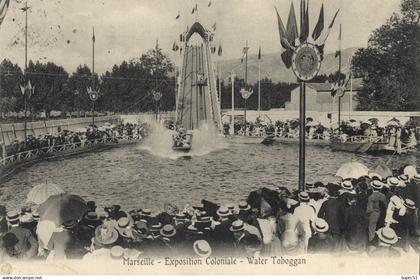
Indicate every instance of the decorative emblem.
{"type": "Point", "coordinates": [246, 93]}
{"type": "Point", "coordinates": [157, 95]}
{"type": "Point", "coordinates": [93, 94]}
{"type": "Point", "coordinates": [306, 62]}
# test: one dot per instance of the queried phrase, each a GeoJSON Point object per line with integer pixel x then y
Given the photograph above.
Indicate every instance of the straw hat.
{"type": "Point", "coordinates": [408, 203]}
{"type": "Point", "coordinates": [202, 248]}
{"type": "Point", "coordinates": [106, 234]}
{"type": "Point", "coordinates": [393, 181]}
{"type": "Point", "coordinates": [223, 211]}
{"type": "Point", "coordinates": [303, 196]}
{"type": "Point", "coordinates": [12, 216]}
{"type": "Point", "coordinates": [387, 235]}
{"type": "Point", "coordinates": [347, 185]}
{"type": "Point", "coordinates": [416, 177]}
{"type": "Point", "coordinates": [146, 212]}
{"type": "Point", "coordinates": [376, 185]}
{"type": "Point", "coordinates": [117, 252]}
{"type": "Point", "coordinates": [373, 175]}
{"type": "Point", "coordinates": [244, 206]}
{"type": "Point", "coordinates": [321, 225]}
{"type": "Point", "coordinates": [168, 231]}
{"type": "Point", "coordinates": [237, 225]}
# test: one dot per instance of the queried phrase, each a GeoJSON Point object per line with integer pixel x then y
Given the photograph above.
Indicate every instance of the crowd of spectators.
{"type": "Point", "coordinates": [370, 215]}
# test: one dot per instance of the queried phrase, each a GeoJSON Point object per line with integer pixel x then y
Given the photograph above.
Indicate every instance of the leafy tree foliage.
{"type": "Point", "coordinates": [390, 65]}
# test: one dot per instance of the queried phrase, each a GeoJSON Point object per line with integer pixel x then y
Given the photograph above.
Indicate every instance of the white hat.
{"type": "Point", "coordinates": [321, 225]}
{"type": "Point", "coordinates": [387, 235]}
{"type": "Point", "coordinates": [202, 248]}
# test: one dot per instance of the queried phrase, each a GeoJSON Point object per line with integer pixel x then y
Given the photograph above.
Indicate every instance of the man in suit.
{"type": "Point", "coordinates": [332, 211]}
{"type": "Point", "coordinates": [241, 238]}
{"type": "Point", "coordinates": [376, 202]}
{"type": "Point", "coordinates": [321, 241]}
{"type": "Point", "coordinates": [221, 235]}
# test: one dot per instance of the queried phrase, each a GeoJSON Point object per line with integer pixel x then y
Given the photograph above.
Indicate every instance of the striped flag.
{"type": "Point", "coordinates": [244, 54]}
{"type": "Point", "coordinates": [4, 5]}
{"type": "Point", "coordinates": [214, 27]}
{"type": "Point", "coordinates": [319, 27]}
{"type": "Point", "coordinates": [259, 53]}
{"type": "Point", "coordinates": [338, 52]}
{"type": "Point", "coordinates": [194, 9]}
{"type": "Point", "coordinates": [291, 29]}
{"type": "Point", "coordinates": [209, 4]}
{"type": "Point", "coordinates": [304, 21]}
{"type": "Point", "coordinates": [178, 15]}
{"type": "Point", "coordinates": [287, 54]}
{"type": "Point", "coordinates": [320, 43]}
{"type": "Point", "coordinates": [219, 52]}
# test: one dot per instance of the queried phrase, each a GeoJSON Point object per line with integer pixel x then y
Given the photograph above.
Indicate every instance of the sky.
{"type": "Point", "coordinates": [61, 30]}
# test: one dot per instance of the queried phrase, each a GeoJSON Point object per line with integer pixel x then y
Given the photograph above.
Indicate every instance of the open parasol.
{"type": "Point", "coordinates": [352, 170]}
{"type": "Point", "coordinates": [62, 208]}
{"type": "Point", "coordinates": [41, 192]}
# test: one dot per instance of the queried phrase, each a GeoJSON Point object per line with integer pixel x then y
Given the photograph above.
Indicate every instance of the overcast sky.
{"type": "Point", "coordinates": [61, 30]}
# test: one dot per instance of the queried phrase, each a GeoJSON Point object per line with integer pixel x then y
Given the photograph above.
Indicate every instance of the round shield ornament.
{"type": "Point", "coordinates": [245, 93]}
{"type": "Point", "coordinates": [157, 95]}
{"type": "Point", "coordinates": [93, 95]}
{"type": "Point", "coordinates": [340, 92]}
{"type": "Point", "coordinates": [306, 62]}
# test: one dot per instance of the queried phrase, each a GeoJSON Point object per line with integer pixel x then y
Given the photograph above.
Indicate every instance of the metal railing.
{"type": "Point", "coordinates": [35, 154]}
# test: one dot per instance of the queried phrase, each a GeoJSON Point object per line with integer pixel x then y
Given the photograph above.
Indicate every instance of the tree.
{"type": "Point", "coordinates": [48, 80]}
{"type": "Point", "coordinates": [77, 84]}
{"type": "Point", "coordinates": [390, 65]}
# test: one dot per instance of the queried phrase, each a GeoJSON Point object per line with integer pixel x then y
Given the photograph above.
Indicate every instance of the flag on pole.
{"type": "Point", "coordinates": [175, 47]}
{"type": "Point", "coordinates": [304, 21]}
{"type": "Point", "coordinates": [324, 35]}
{"type": "Point", "coordinates": [157, 43]}
{"type": "Point", "coordinates": [338, 52]}
{"type": "Point", "coordinates": [214, 27]}
{"type": "Point", "coordinates": [4, 5]}
{"type": "Point", "coordinates": [244, 54]}
{"type": "Point", "coordinates": [319, 27]}
{"type": "Point", "coordinates": [93, 34]}
{"type": "Point", "coordinates": [177, 17]}
{"type": "Point", "coordinates": [259, 53]}
{"type": "Point", "coordinates": [292, 31]}
{"type": "Point", "coordinates": [194, 9]}
{"type": "Point", "coordinates": [219, 51]}
{"type": "Point", "coordinates": [209, 4]}
{"type": "Point", "coordinates": [286, 55]}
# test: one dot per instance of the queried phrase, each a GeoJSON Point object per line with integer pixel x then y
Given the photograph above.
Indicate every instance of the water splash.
{"type": "Point", "coordinates": [205, 140]}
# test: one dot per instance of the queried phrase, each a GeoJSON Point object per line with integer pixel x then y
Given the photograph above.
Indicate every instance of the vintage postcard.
{"type": "Point", "coordinates": [275, 137]}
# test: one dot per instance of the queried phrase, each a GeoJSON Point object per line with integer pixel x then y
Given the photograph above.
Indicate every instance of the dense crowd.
{"type": "Point", "coordinates": [370, 215]}
{"type": "Point", "coordinates": [393, 133]}
{"type": "Point", "coordinates": [64, 136]}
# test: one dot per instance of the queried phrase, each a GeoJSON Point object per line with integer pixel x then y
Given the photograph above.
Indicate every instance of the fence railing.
{"type": "Point", "coordinates": [35, 154]}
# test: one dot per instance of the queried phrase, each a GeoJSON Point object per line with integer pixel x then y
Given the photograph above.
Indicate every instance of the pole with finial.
{"type": "Point", "coordinates": [93, 74]}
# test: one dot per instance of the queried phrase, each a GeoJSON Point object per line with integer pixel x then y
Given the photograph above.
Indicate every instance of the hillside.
{"type": "Point", "coordinates": [272, 67]}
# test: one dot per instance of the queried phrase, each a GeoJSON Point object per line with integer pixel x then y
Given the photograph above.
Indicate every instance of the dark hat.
{"type": "Point", "coordinates": [70, 223]}
{"type": "Point", "coordinates": [26, 209]}
{"type": "Point", "coordinates": [106, 234]}
{"type": "Point", "coordinates": [237, 225]}
{"type": "Point", "coordinates": [3, 211]}
{"type": "Point", "coordinates": [303, 196]}
{"type": "Point", "coordinates": [91, 204]}
{"type": "Point", "coordinates": [116, 207]}
{"type": "Point", "coordinates": [387, 235]}
{"type": "Point", "coordinates": [376, 185]}
{"type": "Point", "coordinates": [168, 231]}
{"type": "Point", "coordinates": [244, 206]}
{"type": "Point", "coordinates": [91, 216]}
{"type": "Point", "coordinates": [408, 203]}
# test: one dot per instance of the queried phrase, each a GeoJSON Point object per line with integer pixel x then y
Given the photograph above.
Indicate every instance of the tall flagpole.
{"type": "Point", "coordinates": [232, 125]}
{"type": "Point", "coordinates": [259, 86]}
{"type": "Point", "coordinates": [339, 74]}
{"type": "Point", "coordinates": [93, 75]}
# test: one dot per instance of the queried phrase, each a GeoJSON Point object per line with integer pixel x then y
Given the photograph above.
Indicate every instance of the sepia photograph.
{"type": "Point", "coordinates": [191, 137]}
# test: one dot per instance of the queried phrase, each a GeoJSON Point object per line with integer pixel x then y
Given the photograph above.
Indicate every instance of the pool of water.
{"type": "Point", "coordinates": [135, 177]}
